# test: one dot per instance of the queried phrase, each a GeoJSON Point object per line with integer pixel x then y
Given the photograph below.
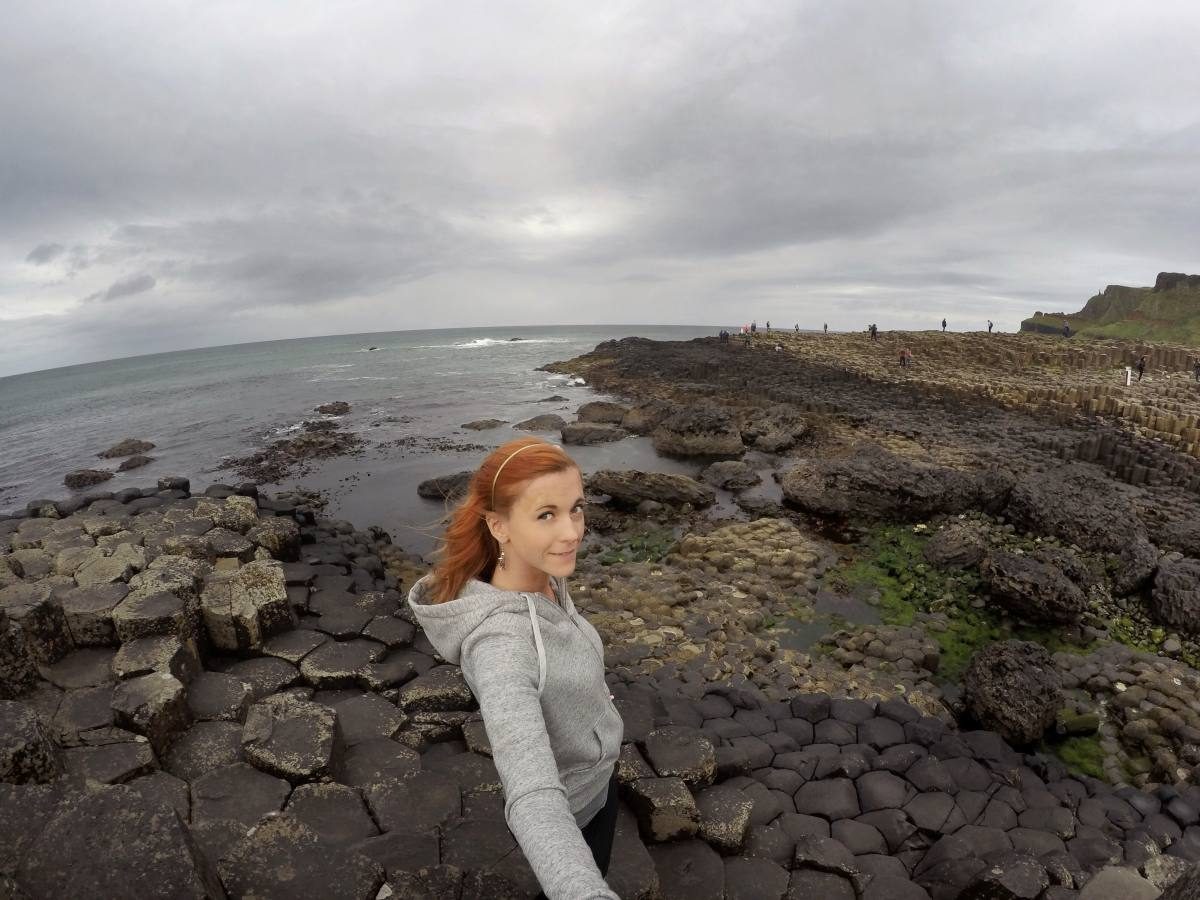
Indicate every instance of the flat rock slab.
{"type": "Point", "coordinates": [162, 653]}
{"type": "Point", "coordinates": [120, 844]}
{"type": "Point", "coordinates": [266, 675]}
{"type": "Point", "coordinates": [154, 705]}
{"type": "Point", "coordinates": [400, 851]}
{"type": "Point", "coordinates": [159, 787]}
{"type": "Point", "coordinates": [725, 818]}
{"type": "Point", "coordinates": [203, 747]}
{"type": "Point", "coordinates": [421, 802]}
{"type": "Point", "coordinates": [281, 859]}
{"type": "Point", "coordinates": [335, 812]}
{"type": "Point", "coordinates": [340, 664]}
{"type": "Point", "coordinates": [219, 696]}
{"type": "Point", "coordinates": [81, 711]}
{"type": "Point", "coordinates": [367, 717]}
{"type": "Point", "coordinates": [237, 793]}
{"type": "Point", "coordinates": [373, 762]}
{"type": "Point", "coordinates": [82, 668]}
{"type": "Point", "coordinates": [113, 763]}
{"type": "Point", "coordinates": [143, 614]}
{"type": "Point", "coordinates": [665, 809]}
{"type": "Point", "coordinates": [441, 689]}
{"type": "Point", "coordinates": [292, 738]}
{"type": "Point", "coordinates": [293, 646]}
{"type": "Point", "coordinates": [689, 870]}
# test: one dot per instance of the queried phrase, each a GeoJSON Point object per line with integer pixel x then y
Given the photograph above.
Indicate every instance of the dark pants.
{"type": "Point", "coordinates": [599, 832]}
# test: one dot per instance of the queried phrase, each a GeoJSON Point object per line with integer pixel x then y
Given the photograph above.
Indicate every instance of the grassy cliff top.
{"type": "Point", "coordinates": [1169, 312]}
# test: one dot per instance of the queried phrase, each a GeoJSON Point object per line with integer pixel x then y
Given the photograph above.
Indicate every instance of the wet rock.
{"type": "Point", "coordinates": [292, 738]}
{"type": "Point", "coordinates": [341, 664]}
{"type": "Point", "coordinates": [704, 431]}
{"type": "Point", "coordinates": [591, 433]}
{"type": "Point", "coordinates": [281, 859]}
{"type": "Point", "coordinates": [447, 487]}
{"type": "Point", "coordinates": [368, 717]}
{"type": "Point", "coordinates": [153, 705]}
{"type": "Point", "coordinates": [1135, 567]}
{"type": "Point", "coordinates": [1076, 504]}
{"type": "Point", "coordinates": [602, 411]}
{"type": "Point", "coordinates": [135, 462]}
{"type": "Point", "coordinates": [682, 753]}
{"type": "Point", "coordinates": [26, 751]}
{"type": "Point", "coordinates": [266, 675]}
{"type": "Point", "coordinates": [832, 798]}
{"type": "Point", "coordinates": [372, 762]}
{"type": "Point", "coordinates": [875, 483]}
{"type": "Point", "coordinates": [36, 611]}
{"type": "Point", "coordinates": [544, 422]}
{"type": "Point", "coordinates": [806, 883]}
{"type": "Point", "coordinates": [1175, 600]}
{"type": "Point", "coordinates": [18, 669]}
{"type": "Point", "coordinates": [336, 813]}
{"type": "Point", "coordinates": [688, 870]}
{"type": "Point", "coordinates": [83, 478]}
{"type": "Point", "coordinates": [483, 424]}
{"type": "Point", "coordinates": [126, 447]}
{"type": "Point", "coordinates": [243, 608]}
{"type": "Point", "coordinates": [1033, 588]}
{"type": "Point", "coordinates": [161, 788]}
{"type": "Point", "coordinates": [665, 809]}
{"type": "Point", "coordinates": [731, 474]}
{"type": "Point", "coordinates": [120, 844]}
{"type": "Point", "coordinates": [113, 761]}
{"type": "Point", "coordinates": [333, 408]}
{"type": "Point", "coordinates": [81, 668]}
{"type": "Point", "coordinates": [631, 488]}
{"type": "Point", "coordinates": [1119, 883]}
{"type": "Point", "coordinates": [1013, 877]}
{"type": "Point", "coordinates": [1013, 688]}
{"type": "Point", "coordinates": [160, 613]}
{"type": "Point", "coordinates": [237, 793]}
{"type": "Point", "coordinates": [401, 853]}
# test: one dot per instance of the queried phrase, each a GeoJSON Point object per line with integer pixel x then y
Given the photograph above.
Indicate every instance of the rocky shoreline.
{"type": "Point", "coordinates": [226, 693]}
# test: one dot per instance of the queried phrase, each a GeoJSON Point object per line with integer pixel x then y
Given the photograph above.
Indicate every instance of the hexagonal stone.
{"type": "Point", "coordinates": [442, 688]}
{"type": "Point", "coordinates": [173, 574]}
{"type": "Point", "coordinates": [340, 664]}
{"type": "Point", "coordinates": [31, 563]}
{"type": "Point", "coordinates": [266, 675]}
{"type": "Point", "coordinates": [881, 733]}
{"type": "Point", "coordinates": [882, 790]}
{"type": "Point", "coordinates": [754, 879]}
{"type": "Point", "coordinates": [476, 843]}
{"type": "Point", "coordinates": [390, 631]}
{"type": "Point", "coordinates": [24, 811]}
{"type": "Point", "coordinates": [219, 696]}
{"type": "Point", "coordinates": [724, 818]}
{"type": "Point", "coordinates": [282, 858]}
{"type": "Point", "coordinates": [1014, 876]}
{"type": "Point", "coordinates": [294, 645]}
{"type": "Point", "coordinates": [834, 798]}
{"type": "Point", "coordinates": [665, 809]}
{"type": "Point", "coordinates": [368, 716]}
{"type": "Point", "coordinates": [804, 884]}
{"type": "Point", "coordinates": [473, 774]}
{"type": "Point", "coordinates": [372, 762]}
{"type": "Point", "coordinates": [335, 812]}
{"type": "Point", "coordinates": [401, 852]}
{"type": "Point", "coordinates": [80, 711]}
{"type": "Point", "coordinates": [112, 763]}
{"type": "Point", "coordinates": [682, 753]}
{"type": "Point", "coordinates": [26, 751]}
{"type": "Point", "coordinates": [243, 608]}
{"type": "Point", "coordinates": [147, 614]}
{"type": "Point", "coordinates": [421, 802]}
{"type": "Point", "coordinates": [161, 653]}
{"type": "Point", "coordinates": [33, 607]}
{"type": "Point", "coordinates": [229, 544]}
{"type": "Point", "coordinates": [120, 844]}
{"type": "Point", "coordinates": [858, 837]}
{"type": "Point", "coordinates": [688, 870]}
{"type": "Point", "coordinates": [104, 570]}
{"type": "Point", "coordinates": [291, 738]}
{"type": "Point", "coordinates": [279, 536]}
{"type": "Point", "coordinates": [81, 668]}
{"type": "Point", "coordinates": [237, 793]}
{"type": "Point", "coordinates": [153, 705]}
{"type": "Point", "coordinates": [18, 669]}
{"type": "Point", "coordinates": [933, 812]}
{"type": "Point", "coordinates": [88, 613]}
{"type": "Point", "coordinates": [204, 747]}
{"type": "Point", "coordinates": [159, 787]}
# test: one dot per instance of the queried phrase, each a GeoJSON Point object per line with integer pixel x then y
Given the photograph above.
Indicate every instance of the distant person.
{"type": "Point", "coordinates": [943, 326]}
{"type": "Point", "coordinates": [1066, 329]}
{"type": "Point", "coordinates": [768, 324]}
{"type": "Point", "coordinates": [1141, 367]}
{"type": "Point", "coordinates": [1196, 369]}
{"type": "Point", "coordinates": [754, 326]}
{"type": "Point", "coordinates": [874, 332]}
{"type": "Point", "coordinates": [989, 326]}
{"type": "Point", "coordinates": [797, 328]}
{"type": "Point", "coordinates": [827, 328]}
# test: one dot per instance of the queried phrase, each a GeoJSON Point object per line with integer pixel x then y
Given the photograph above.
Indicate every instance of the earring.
{"type": "Point", "coordinates": [500, 561]}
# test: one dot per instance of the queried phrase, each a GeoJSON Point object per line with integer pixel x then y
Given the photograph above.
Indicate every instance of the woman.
{"type": "Point", "coordinates": [496, 603]}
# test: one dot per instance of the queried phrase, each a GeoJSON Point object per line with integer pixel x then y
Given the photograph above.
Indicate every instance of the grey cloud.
{"type": "Point", "coordinates": [44, 253]}
{"type": "Point", "coordinates": [126, 287]}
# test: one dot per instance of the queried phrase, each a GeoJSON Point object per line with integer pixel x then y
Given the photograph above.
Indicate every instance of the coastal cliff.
{"type": "Point", "coordinates": [1168, 311]}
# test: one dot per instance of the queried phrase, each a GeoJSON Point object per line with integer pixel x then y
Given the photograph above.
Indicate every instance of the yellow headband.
{"type": "Point", "coordinates": [505, 463]}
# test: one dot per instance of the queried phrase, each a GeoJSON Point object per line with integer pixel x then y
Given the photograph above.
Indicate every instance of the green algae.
{"type": "Point", "coordinates": [1082, 755]}
{"type": "Point", "coordinates": [643, 545]}
{"type": "Point", "coordinates": [892, 565]}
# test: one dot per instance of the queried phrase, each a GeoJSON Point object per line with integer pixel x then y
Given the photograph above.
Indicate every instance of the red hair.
{"type": "Point", "coordinates": [468, 549]}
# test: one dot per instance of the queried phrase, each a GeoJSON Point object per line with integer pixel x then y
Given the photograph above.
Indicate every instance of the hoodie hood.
{"type": "Point", "coordinates": [448, 624]}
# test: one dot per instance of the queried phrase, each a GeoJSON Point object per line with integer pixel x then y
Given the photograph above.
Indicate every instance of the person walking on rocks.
{"type": "Point", "coordinates": [1196, 369]}
{"type": "Point", "coordinates": [496, 604]}
{"type": "Point", "coordinates": [1141, 367]}
{"type": "Point", "coordinates": [989, 326]}
{"type": "Point", "coordinates": [827, 328]}
{"type": "Point", "coordinates": [943, 326]}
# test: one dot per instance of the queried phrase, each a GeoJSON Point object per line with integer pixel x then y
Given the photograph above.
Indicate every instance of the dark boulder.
{"type": "Point", "coordinates": [602, 411]}
{"type": "Point", "coordinates": [875, 483]}
{"type": "Point", "coordinates": [544, 422]}
{"type": "Point", "coordinates": [1076, 504]}
{"type": "Point", "coordinates": [631, 488]}
{"type": "Point", "coordinates": [1013, 688]}
{"type": "Point", "coordinates": [699, 431]}
{"type": "Point", "coordinates": [82, 478]}
{"type": "Point", "coordinates": [958, 546]}
{"type": "Point", "coordinates": [592, 433]}
{"type": "Point", "coordinates": [1037, 587]}
{"type": "Point", "coordinates": [127, 447]}
{"type": "Point", "coordinates": [336, 408]}
{"type": "Point", "coordinates": [446, 487]}
{"type": "Point", "coordinates": [1175, 600]}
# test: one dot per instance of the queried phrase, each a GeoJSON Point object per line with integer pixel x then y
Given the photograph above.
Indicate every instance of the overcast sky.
{"type": "Point", "coordinates": [182, 174]}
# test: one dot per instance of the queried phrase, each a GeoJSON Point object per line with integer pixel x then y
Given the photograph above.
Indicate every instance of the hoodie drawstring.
{"type": "Point", "coordinates": [537, 640]}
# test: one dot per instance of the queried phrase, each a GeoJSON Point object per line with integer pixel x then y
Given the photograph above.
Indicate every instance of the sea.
{"type": "Point", "coordinates": [409, 394]}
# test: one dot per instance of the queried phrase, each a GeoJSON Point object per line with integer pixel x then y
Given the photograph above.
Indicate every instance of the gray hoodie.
{"type": "Point", "coordinates": [537, 670]}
